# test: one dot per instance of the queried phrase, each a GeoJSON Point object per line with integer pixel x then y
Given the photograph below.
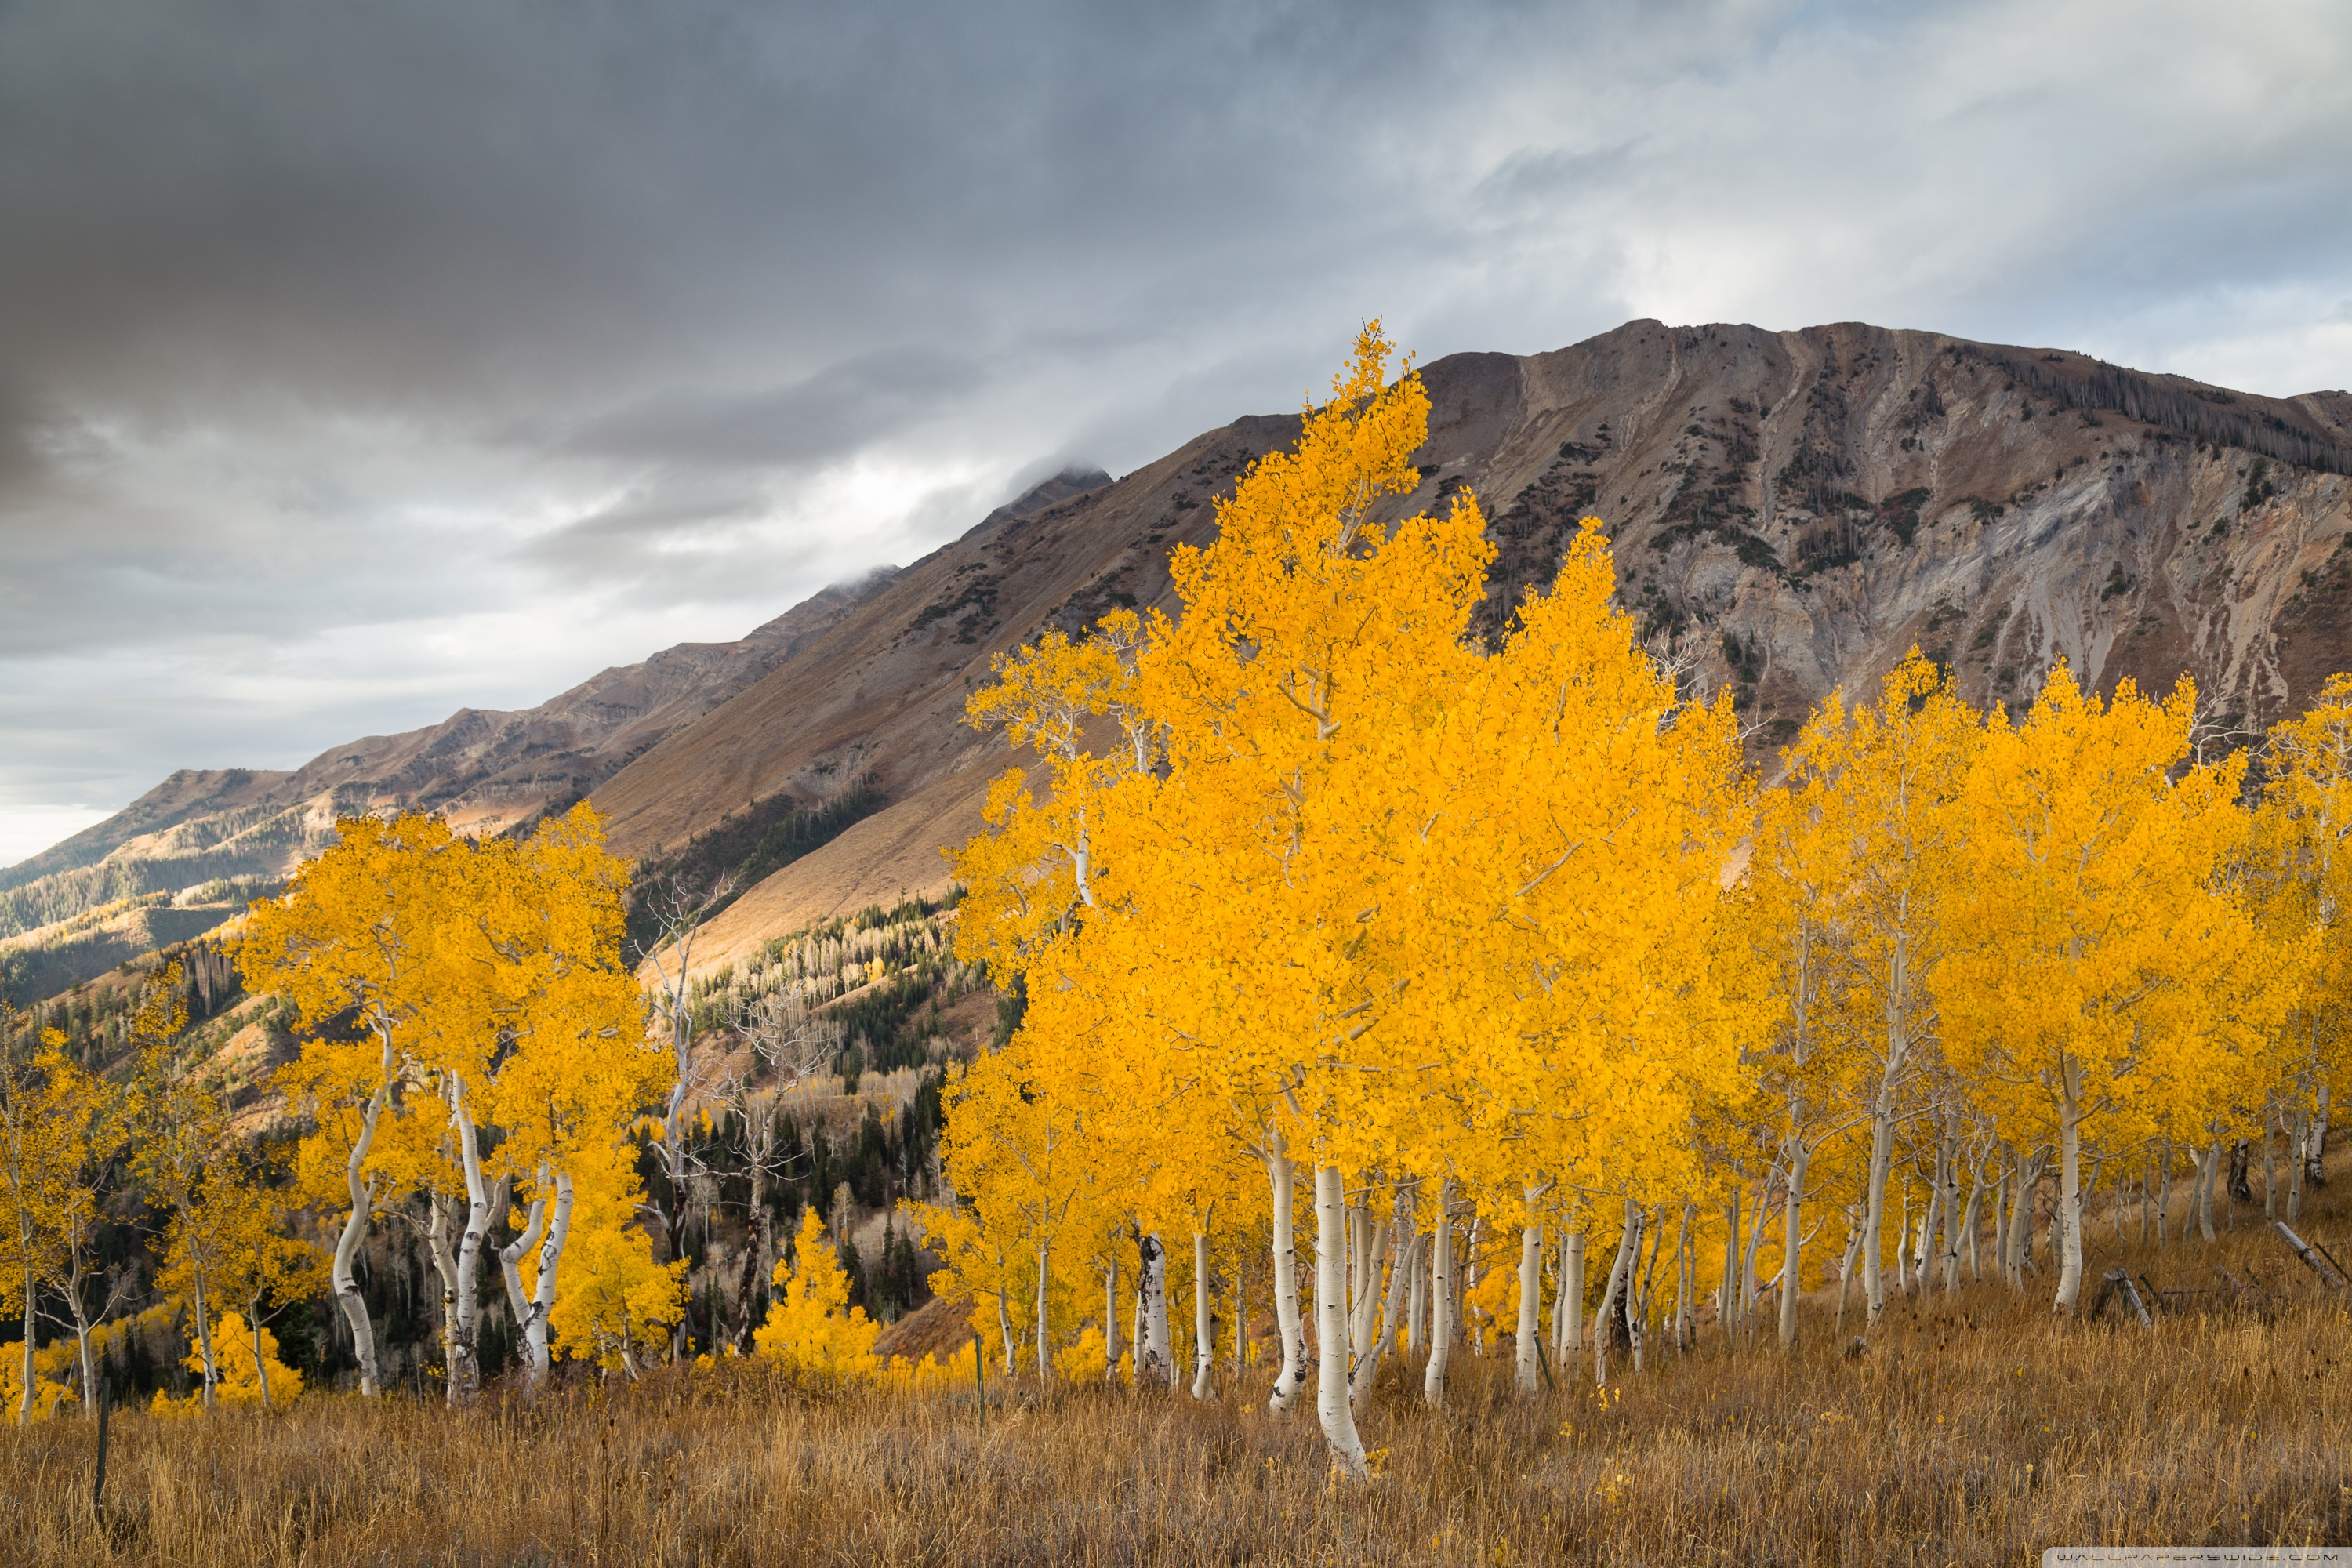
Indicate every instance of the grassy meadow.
{"type": "Point", "coordinates": [1976, 1429]}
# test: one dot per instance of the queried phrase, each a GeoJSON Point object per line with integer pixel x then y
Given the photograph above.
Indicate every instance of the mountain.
{"type": "Point", "coordinates": [237, 829]}
{"type": "Point", "coordinates": [1790, 512]}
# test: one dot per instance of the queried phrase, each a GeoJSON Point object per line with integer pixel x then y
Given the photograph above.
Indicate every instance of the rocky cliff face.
{"type": "Point", "coordinates": [1790, 512]}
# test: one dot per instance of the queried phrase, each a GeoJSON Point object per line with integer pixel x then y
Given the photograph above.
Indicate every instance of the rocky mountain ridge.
{"type": "Point", "coordinates": [1791, 511]}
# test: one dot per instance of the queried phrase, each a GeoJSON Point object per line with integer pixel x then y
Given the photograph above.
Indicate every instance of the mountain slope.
{"type": "Point", "coordinates": [1792, 511]}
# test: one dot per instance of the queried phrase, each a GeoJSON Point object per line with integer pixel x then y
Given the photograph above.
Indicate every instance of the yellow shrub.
{"type": "Point", "coordinates": [811, 1325]}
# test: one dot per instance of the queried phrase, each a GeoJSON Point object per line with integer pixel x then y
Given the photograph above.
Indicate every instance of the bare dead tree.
{"type": "Point", "coordinates": [792, 1043]}
{"type": "Point", "coordinates": [680, 909]}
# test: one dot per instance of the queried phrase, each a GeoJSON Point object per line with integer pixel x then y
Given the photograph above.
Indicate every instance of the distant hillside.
{"type": "Point", "coordinates": [487, 770]}
{"type": "Point", "coordinates": [1790, 512]}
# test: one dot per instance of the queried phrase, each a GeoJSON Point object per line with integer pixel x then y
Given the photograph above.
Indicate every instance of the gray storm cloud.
{"type": "Point", "coordinates": [362, 361]}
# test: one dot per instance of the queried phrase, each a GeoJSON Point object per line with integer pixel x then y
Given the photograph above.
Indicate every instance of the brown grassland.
{"type": "Point", "coordinates": [1975, 1430]}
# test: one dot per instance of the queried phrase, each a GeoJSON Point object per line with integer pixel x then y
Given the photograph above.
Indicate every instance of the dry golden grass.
{"type": "Point", "coordinates": [1978, 1432]}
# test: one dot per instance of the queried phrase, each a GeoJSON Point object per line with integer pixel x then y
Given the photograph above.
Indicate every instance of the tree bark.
{"type": "Point", "coordinates": [2069, 1186]}
{"type": "Point", "coordinates": [1204, 1329]}
{"type": "Point", "coordinates": [1604, 1324]}
{"type": "Point", "coordinates": [1441, 1300]}
{"type": "Point", "coordinates": [340, 1279]}
{"type": "Point", "coordinates": [1567, 1301]}
{"type": "Point", "coordinates": [1281, 1175]}
{"type": "Point", "coordinates": [1792, 1241]}
{"type": "Point", "coordinates": [1332, 1404]}
{"type": "Point", "coordinates": [1154, 1364]}
{"type": "Point", "coordinates": [1110, 1322]}
{"type": "Point", "coordinates": [1044, 1337]}
{"type": "Point", "coordinates": [1523, 1369]}
{"type": "Point", "coordinates": [543, 1295]}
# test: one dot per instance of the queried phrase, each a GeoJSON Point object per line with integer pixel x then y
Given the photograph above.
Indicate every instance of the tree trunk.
{"type": "Point", "coordinates": [1602, 1323]}
{"type": "Point", "coordinates": [1727, 1293]}
{"type": "Point", "coordinates": [1365, 1293]}
{"type": "Point", "coordinates": [543, 1295]}
{"type": "Point", "coordinates": [1416, 1307]}
{"type": "Point", "coordinates": [2070, 1187]}
{"type": "Point", "coordinates": [1204, 1327]}
{"type": "Point", "coordinates": [260, 1363]}
{"type": "Point", "coordinates": [2209, 1174]}
{"type": "Point", "coordinates": [341, 1281]}
{"type": "Point", "coordinates": [510, 1258]}
{"type": "Point", "coordinates": [1154, 1364]}
{"type": "Point", "coordinates": [1523, 1368]}
{"type": "Point", "coordinates": [203, 1338]}
{"type": "Point", "coordinates": [1045, 1352]}
{"type": "Point", "coordinates": [1241, 1317]}
{"type": "Point", "coordinates": [1441, 1300]}
{"type": "Point", "coordinates": [2298, 1146]}
{"type": "Point", "coordinates": [1747, 1291]}
{"type": "Point", "coordinates": [1110, 1322]}
{"type": "Point", "coordinates": [1281, 1175]}
{"type": "Point", "coordinates": [1404, 1252]}
{"type": "Point", "coordinates": [32, 1336]}
{"type": "Point", "coordinates": [1846, 1273]}
{"type": "Point", "coordinates": [2314, 1173]}
{"type": "Point", "coordinates": [465, 1363]}
{"type": "Point", "coordinates": [1792, 1241]}
{"type": "Point", "coordinates": [2164, 1198]}
{"type": "Point", "coordinates": [1874, 1220]}
{"type": "Point", "coordinates": [1567, 1302]}
{"type": "Point", "coordinates": [1332, 1404]}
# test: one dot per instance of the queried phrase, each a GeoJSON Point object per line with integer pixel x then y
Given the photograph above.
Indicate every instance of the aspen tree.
{"type": "Point", "coordinates": [1886, 780]}
{"type": "Point", "coordinates": [2104, 949]}
{"type": "Point", "coordinates": [89, 1125]}
{"type": "Point", "coordinates": [29, 1152]}
{"type": "Point", "coordinates": [362, 928]}
{"type": "Point", "coordinates": [2304, 878]}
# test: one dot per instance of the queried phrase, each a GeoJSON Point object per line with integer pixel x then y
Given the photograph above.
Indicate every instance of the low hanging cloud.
{"type": "Point", "coordinates": [358, 361]}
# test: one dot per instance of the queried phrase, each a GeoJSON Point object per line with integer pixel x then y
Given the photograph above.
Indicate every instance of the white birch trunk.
{"type": "Point", "coordinates": [510, 1258]}
{"type": "Point", "coordinates": [1401, 1270]}
{"type": "Point", "coordinates": [32, 1338]}
{"type": "Point", "coordinates": [1873, 1221]}
{"type": "Point", "coordinates": [543, 1295]}
{"type": "Point", "coordinates": [1441, 1300]}
{"type": "Point", "coordinates": [1282, 1177]}
{"type": "Point", "coordinates": [1110, 1322]}
{"type": "Point", "coordinates": [465, 1364]}
{"type": "Point", "coordinates": [1568, 1305]}
{"type": "Point", "coordinates": [1155, 1364]}
{"type": "Point", "coordinates": [1332, 1406]}
{"type": "Point", "coordinates": [1044, 1353]}
{"type": "Point", "coordinates": [2070, 1187]}
{"type": "Point", "coordinates": [203, 1337]}
{"type": "Point", "coordinates": [1792, 1241]}
{"type": "Point", "coordinates": [1417, 1311]}
{"type": "Point", "coordinates": [2164, 1198]}
{"type": "Point", "coordinates": [1523, 1370]}
{"type": "Point", "coordinates": [341, 1281]}
{"type": "Point", "coordinates": [1204, 1329]}
{"type": "Point", "coordinates": [1627, 1240]}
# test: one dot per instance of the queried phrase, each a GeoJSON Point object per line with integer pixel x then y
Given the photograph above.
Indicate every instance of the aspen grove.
{"type": "Point", "coordinates": [1374, 994]}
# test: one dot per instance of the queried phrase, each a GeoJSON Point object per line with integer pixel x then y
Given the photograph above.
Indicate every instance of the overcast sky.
{"type": "Point", "coordinates": [362, 361]}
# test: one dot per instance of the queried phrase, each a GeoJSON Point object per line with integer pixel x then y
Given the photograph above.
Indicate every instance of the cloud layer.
{"type": "Point", "coordinates": [359, 362]}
